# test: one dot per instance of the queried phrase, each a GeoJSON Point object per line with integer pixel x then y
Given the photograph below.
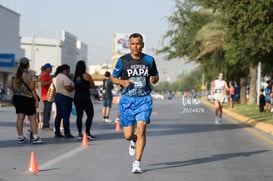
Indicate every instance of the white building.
{"type": "Point", "coordinates": [65, 49]}
{"type": "Point", "coordinates": [10, 51]}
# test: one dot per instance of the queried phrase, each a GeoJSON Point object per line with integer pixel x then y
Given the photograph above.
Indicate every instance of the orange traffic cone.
{"type": "Point", "coordinates": [32, 165]}
{"type": "Point", "coordinates": [117, 126]}
{"type": "Point", "coordinates": [84, 140]}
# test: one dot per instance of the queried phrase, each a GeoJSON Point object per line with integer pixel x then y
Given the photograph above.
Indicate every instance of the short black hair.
{"type": "Point", "coordinates": [107, 74]}
{"type": "Point", "coordinates": [135, 35]}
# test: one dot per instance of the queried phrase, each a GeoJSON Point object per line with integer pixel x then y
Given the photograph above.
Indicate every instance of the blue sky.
{"type": "Point", "coordinates": [94, 21]}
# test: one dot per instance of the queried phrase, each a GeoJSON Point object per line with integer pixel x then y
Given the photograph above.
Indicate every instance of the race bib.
{"type": "Point", "coordinates": [218, 91]}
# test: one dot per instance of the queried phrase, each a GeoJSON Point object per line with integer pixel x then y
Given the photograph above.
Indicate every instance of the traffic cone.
{"type": "Point", "coordinates": [84, 140]}
{"type": "Point", "coordinates": [117, 126]}
{"type": "Point", "coordinates": [32, 165]}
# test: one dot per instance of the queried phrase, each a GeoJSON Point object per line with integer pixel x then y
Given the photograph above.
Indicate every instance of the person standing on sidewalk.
{"type": "Point", "coordinates": [107, 88]}
{"type": "Point", "coordinates": [82, 99]}
{"type": "Point", "coordinates": [231, 95]}
{"type": "Point", "coordinates": [46, 80]}
{"type": "Point", "coordinates": [63, 99]}
{"type": "Point", "coordinates": [261, 100]}
{"type": "Point", "coordinates": [40, 109]}
{"type": "Point", "coordinates": [135, 72]}
{"type": "Point", "coordinates": [25, 99]}
{"type": "Point", "coordinates": [268, 91]}
{"type": "Point", "coordinates": [218, 87]}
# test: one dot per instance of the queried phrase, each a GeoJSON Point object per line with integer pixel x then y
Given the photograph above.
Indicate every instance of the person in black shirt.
{"type": "Point", "coordinates": [83, 83]}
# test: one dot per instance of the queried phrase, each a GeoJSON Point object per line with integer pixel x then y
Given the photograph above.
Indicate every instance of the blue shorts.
{"type": "Point", "coordinates": [135, 108]}
{"type": "Point", "coordinates": [107, 103]}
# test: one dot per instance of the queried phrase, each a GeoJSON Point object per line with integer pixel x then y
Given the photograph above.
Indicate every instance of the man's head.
{"type": "Point", "coordinates": [136, 44]}
{"type": "Point", "coordinates": [107, 74]}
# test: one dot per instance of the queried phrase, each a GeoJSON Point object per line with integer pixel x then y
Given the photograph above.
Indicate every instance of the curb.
{"type": "Point", "coordinates": [267, 128]}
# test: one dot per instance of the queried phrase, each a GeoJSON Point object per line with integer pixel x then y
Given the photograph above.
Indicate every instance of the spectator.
{"type": "Point", "coordinates": [82, 99]}
{"type": "Point", "coordinates": [107, 87]}
{"type": "Point", "coordinates": [46, 80]}
{"type": "Point", "coordinates": [268, 91]}
{"type": "Point", "coordinates": [41, 103]}
{"type": "Point", "coordinates": [63, 100]}
{"type": "Point", "coordinates": [261, 101]}
{"type": "Point", "coordinates": [236, 93]}
{"type": "Point", "coordinates": [231, 95]}
{"type": "Point", "coordinates": [25, 99]}
{"type": "Point", "coordinates": [51, 96]}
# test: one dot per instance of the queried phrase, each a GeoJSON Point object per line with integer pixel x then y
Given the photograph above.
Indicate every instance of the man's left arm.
{"type": "Point", "coordinates": [154, 78]}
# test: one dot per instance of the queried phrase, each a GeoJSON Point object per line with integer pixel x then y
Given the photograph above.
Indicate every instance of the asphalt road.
{"type": "Point", "coordinates": [182, 144]}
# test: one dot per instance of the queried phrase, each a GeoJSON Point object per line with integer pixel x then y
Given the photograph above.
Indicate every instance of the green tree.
{"type": "Point", "coordinates": [249, 35]}
{"type": "Point", "coordinates": [228, 35]}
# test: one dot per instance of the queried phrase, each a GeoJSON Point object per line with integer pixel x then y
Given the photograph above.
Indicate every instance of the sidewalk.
{"type": "Point", "coordinates": [267, 128]}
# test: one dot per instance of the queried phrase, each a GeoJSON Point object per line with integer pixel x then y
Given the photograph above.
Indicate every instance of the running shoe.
{"type": "Point", "coordinates": [217, 121]}
{"type": "Point", "coordinates": [136, 168]}
{"type": "Point", "coordinates": [37, 140]}
{"type": "Point", "coordinates": [108, 120]}
{"type": "Point", "coordinates": [132, 148]}
{"type": "Point", "coordinates": [21, 140]}
{"type": "Point", "coordinates": [91, 137]}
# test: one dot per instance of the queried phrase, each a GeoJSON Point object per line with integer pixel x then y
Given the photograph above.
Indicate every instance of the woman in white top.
{"type": "Point", "coordinates": [63, 99]}
{"type": "Point", "coordinates": [218, 87]}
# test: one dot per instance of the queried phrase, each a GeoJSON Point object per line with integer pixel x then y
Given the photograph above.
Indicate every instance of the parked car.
{"type": "Point", "coordinates": [157, 96]}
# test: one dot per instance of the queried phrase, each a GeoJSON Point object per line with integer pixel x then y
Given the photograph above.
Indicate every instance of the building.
{"type": "Point", "coordinates": [10, 51]}
{"type": "Point", "coordinates": [64, 49]}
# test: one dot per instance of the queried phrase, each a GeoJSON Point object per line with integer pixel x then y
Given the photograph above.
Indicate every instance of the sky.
{"type": "Point", "coordinates": [94, 22]}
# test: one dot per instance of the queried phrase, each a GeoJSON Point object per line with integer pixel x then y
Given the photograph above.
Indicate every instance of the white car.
{"type": "Point", "coordinates": [157, 96]}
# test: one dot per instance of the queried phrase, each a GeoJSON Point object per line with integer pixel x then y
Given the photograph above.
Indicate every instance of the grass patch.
{"type": "Point", "coordinates": [252, 111]}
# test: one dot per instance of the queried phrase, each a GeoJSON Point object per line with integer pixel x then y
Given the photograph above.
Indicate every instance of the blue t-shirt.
{"type": "Point", "coordinates": [138, 72]}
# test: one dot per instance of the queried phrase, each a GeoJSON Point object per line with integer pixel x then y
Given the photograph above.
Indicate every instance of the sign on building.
{"type": "Point", "coordinates": [7, 60]}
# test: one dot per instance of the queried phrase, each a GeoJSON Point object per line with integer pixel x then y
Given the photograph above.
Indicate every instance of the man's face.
{"type": "Point", "coordinates": [136, 45]}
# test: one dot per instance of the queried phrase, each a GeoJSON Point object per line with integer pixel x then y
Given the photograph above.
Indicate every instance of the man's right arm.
{"type": "Point", "coordinates": [123, 83]}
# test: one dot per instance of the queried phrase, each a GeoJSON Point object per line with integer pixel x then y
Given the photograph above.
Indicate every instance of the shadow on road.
{"type": "Point", "coordinates": [173, 129]}
{"type": "Point", "coordinates": [213, 158]}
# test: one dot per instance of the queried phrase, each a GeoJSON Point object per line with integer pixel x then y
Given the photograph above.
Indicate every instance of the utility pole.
{"type": "Point", "coordinates": [258, 82]}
